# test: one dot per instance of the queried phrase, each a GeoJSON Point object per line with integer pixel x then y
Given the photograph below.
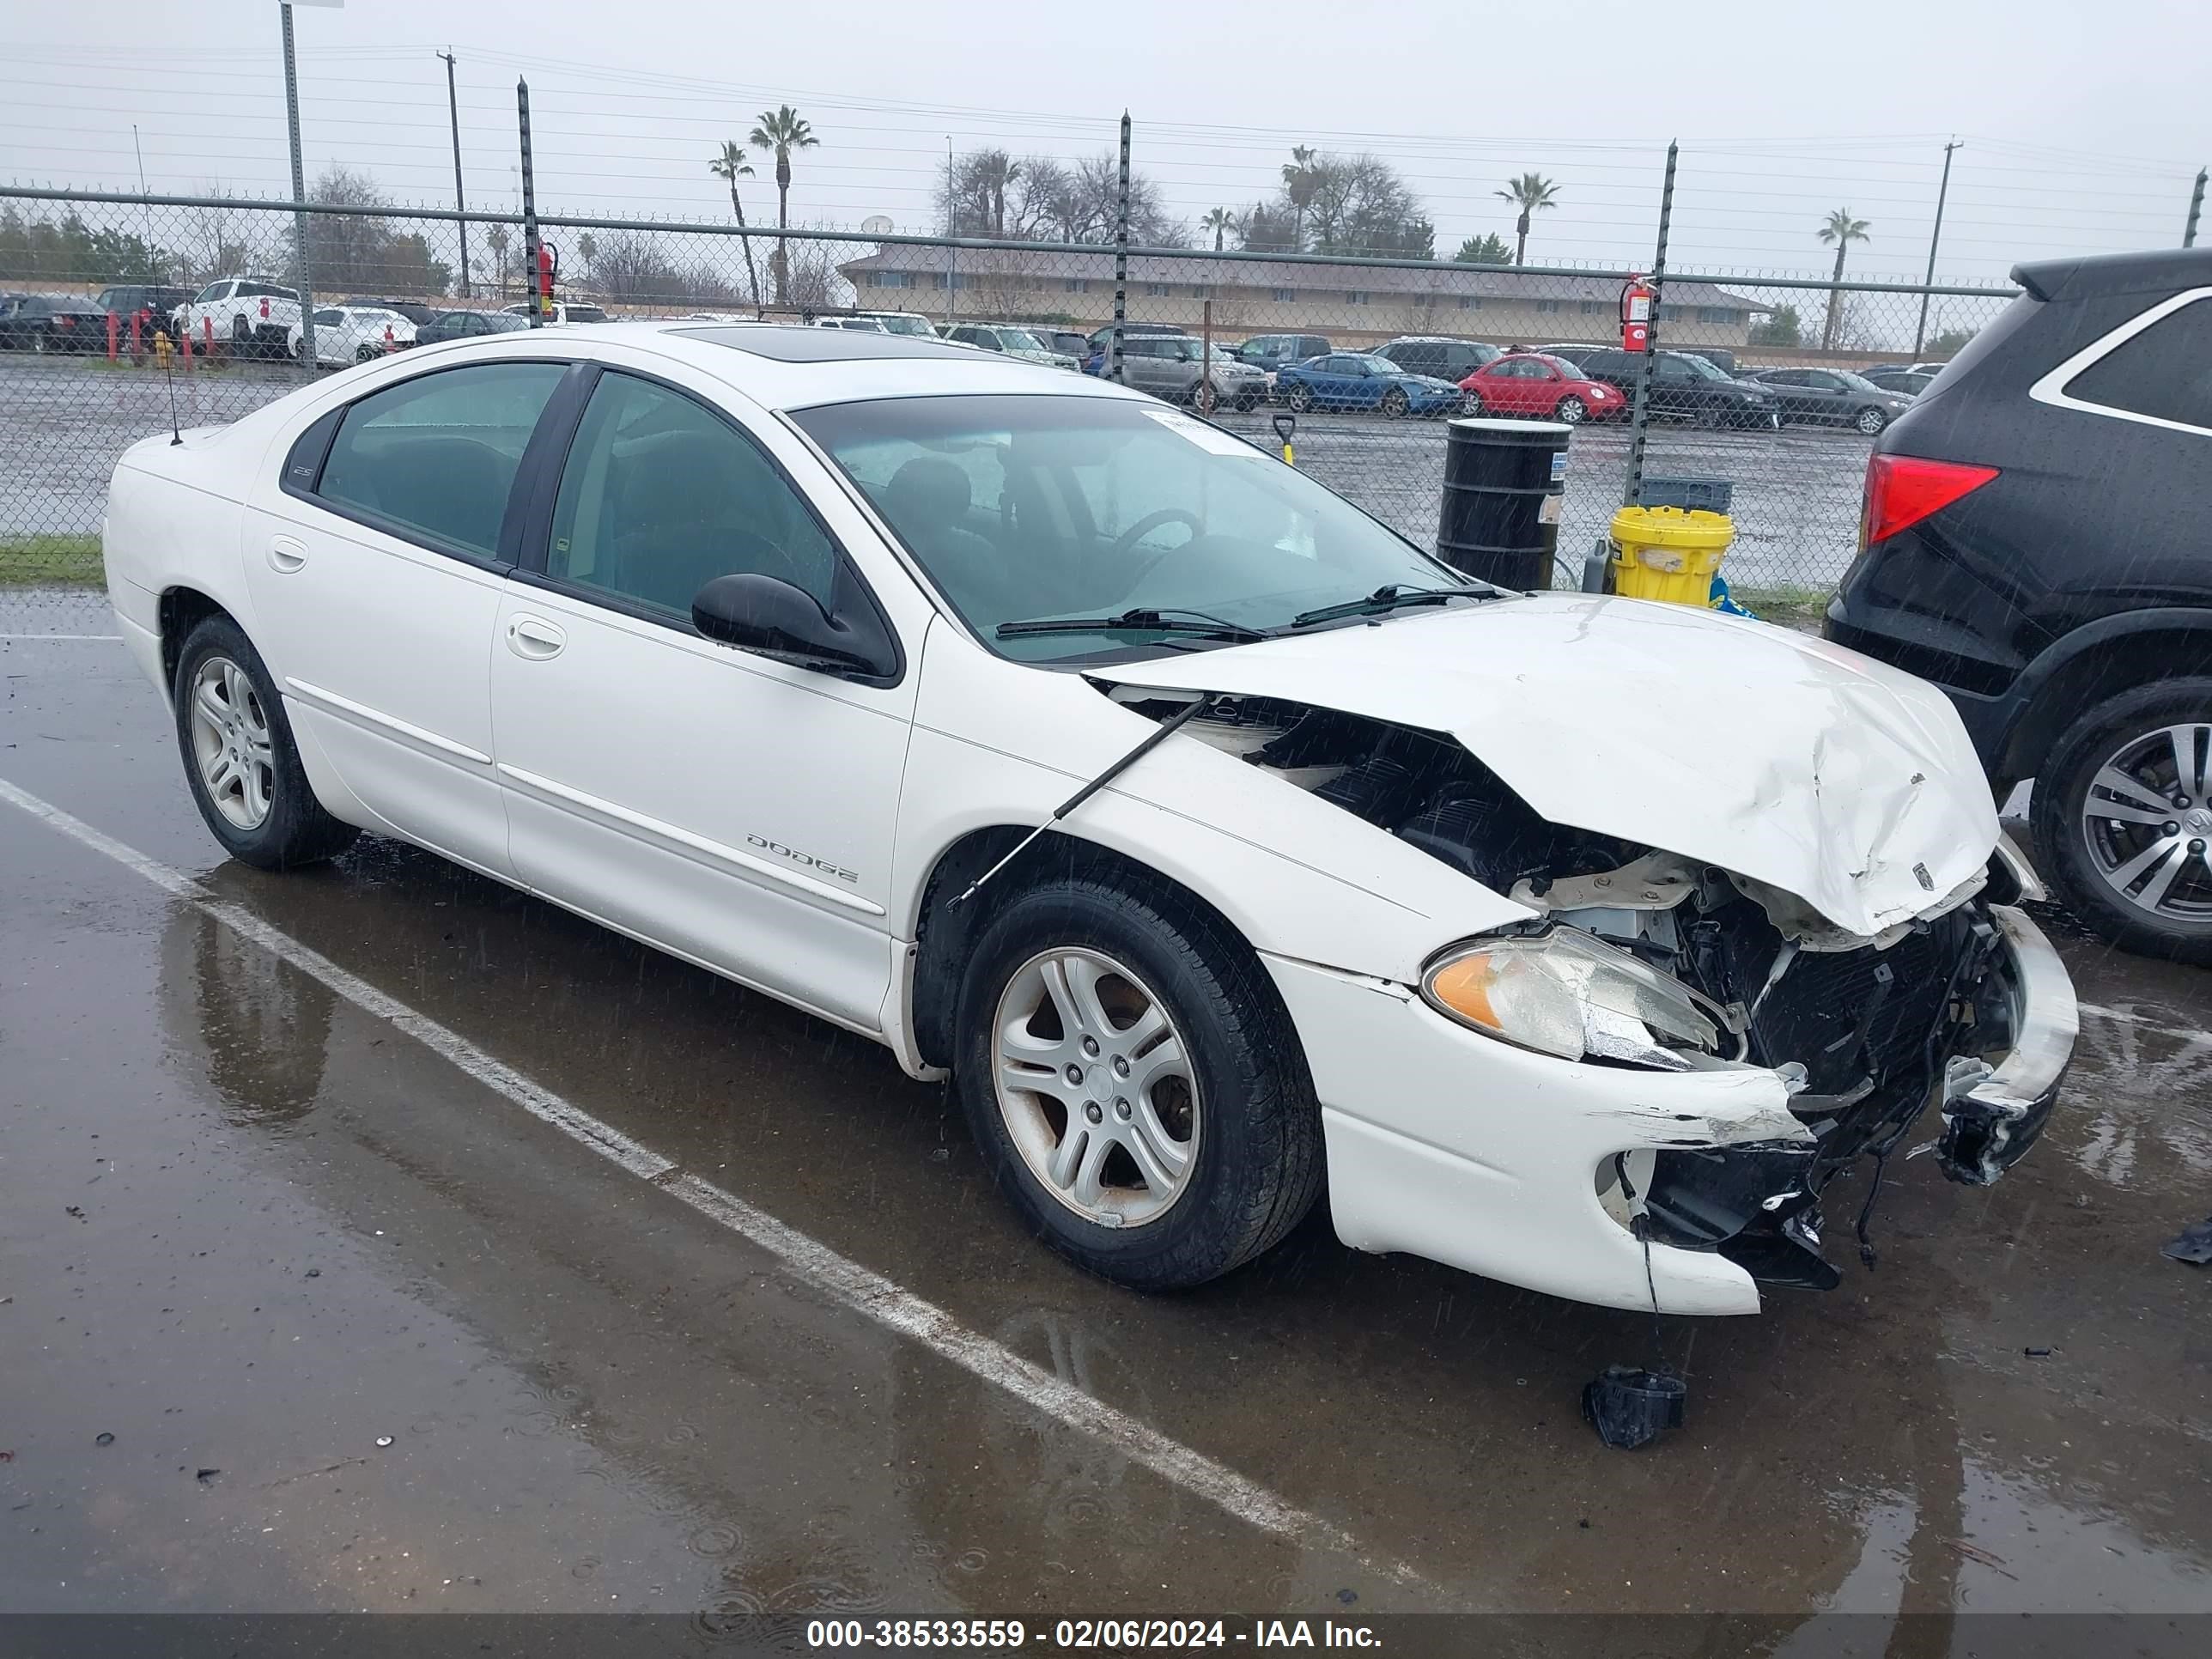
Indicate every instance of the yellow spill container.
{"type": "Point", "coordinates": [1668, 552]}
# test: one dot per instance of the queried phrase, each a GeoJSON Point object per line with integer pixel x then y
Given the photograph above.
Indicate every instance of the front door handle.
{"type": "Point", "coordinates": [287, 554]}
{"type": "Point", "coordinates": [535, 638]}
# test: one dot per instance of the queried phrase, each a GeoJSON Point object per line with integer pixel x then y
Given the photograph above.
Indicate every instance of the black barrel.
{"type": "Point", "coordinates": [1500, 475]}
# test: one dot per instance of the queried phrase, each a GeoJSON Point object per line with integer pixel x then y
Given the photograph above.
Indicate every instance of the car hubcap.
{"type": "Point", "coordinates": [2148, 826]}
{"type": "Point", "coordinates": [1571, 411]}
{"type": "Point", "coordinates": [231, 743]}
{"type": "Point", "coordinates": [1869, 421]}
{"type": "Point", "coordinates": [1095, 1086]}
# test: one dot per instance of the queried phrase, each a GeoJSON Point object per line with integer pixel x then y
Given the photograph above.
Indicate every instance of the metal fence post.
{"type": "Point", "coordinates": [1120, 255]}
{"type": "Point", "coordinates": [529, 209]}
{"type": "Point", "coordinates": [1640, 417]}
{"type": "Point", "coordinates": [308, 362]}
{"type": "Point", "coordinates": [2196, 209]}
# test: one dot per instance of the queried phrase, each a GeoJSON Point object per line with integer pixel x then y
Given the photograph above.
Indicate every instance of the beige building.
{"type": "Point", "coordinates": [1351, 304]}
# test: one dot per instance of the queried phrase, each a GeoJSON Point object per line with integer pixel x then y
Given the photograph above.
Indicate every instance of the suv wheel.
{"type": "Point", "coordinates": [1134, 1084]}
{"type": "Point", "coordinates": [239, 761]}
{"type": "Point", "coordinates": [2122, 819]}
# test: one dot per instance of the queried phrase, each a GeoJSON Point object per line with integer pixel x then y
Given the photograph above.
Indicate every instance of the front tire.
{"type": "Point", "coordinates": [240, 762]}
{"type": "Point", "coordinates": [1571, 410]}
{"type": "Point", "coordinates": [1301, 399]}
{"type": "Point", "coordinates": [241, 337]}
{"type": "Point", "coordinates": [1134, 1084]}
{"type": "Point", "coordinates": [1871, 421]}
{"type": "Point", "coordinates": [1395, 404]}
{"type": "Point", "coordinates": [2122, 823]}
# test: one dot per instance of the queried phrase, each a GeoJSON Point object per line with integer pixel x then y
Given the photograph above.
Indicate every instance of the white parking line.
{"type": "Point", "coordinates": [104, 639]}
{"type": "Point", "coordinates": [866, 1292]}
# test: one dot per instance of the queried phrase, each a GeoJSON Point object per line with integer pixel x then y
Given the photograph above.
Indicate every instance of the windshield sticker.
{"type": "Point", "coordinates": [1211, 439]}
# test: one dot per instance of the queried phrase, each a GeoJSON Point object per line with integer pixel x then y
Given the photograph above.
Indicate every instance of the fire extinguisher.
{"type": "Point", "coordinates": [1637, 298]}
{"type": "Point", "coordinates": [548, 266]}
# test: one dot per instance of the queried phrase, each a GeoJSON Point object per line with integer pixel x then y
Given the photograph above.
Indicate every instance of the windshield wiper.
{"type": "Point", "coordinates": [1392, 598]}
{"type": "Point", "coordinates": [1169, 620]}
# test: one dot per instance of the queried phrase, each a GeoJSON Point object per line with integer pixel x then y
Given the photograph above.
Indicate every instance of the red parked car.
{"type": "Point", "coordinates": [1530, 383]}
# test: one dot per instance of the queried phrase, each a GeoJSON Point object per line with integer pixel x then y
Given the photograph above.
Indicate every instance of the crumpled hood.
{"type": "Point", "coordinates": [1769, 753]}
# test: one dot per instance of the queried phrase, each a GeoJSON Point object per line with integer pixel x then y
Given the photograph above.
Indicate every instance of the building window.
{"type": "Point", "coordinates": [890, 279]}
{"type": "Point", "coordinates": [1664, 314]}
{"type": "Point", "coordinates": [1201, 290]}
{"type": "Point", "coordinates": [1547, 305]}
{"type": "Point", "coordinates": [1469, 302]}
{"type": "Point", "coordinates": [1358, 296]}
{"type": "Point", "coordinates": [1157, 290]}
{"type": "Point", "coordinates": [1282, 296]}
{"type": "Point", "coordinates": [959, 280]}
{"type": "Point", "coordinates": [1587, 307]}
{"type": "Point", "coordinates": [1717, 314]}
{"type": "Point", "coordinates": [1074, 285]}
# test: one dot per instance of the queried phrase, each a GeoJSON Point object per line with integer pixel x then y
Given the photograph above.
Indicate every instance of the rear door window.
{"type": "Point", "coordinates": [435, 457]}
{"type": "Point", "coordinates": [2162, 372]}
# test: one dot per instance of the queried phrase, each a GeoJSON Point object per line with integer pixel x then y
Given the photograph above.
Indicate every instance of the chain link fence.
{"type": "Point", "coordinates": [129, 312]}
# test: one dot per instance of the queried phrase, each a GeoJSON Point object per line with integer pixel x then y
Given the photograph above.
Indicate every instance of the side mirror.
{"type": "Point", "coordinates": [769, 616]}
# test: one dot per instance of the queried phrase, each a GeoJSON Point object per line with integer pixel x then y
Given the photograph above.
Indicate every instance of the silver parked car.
{"type": "Point", "coordinates": [1174, 366]}
{"type": "Point", "coordinates": [1010, 339]}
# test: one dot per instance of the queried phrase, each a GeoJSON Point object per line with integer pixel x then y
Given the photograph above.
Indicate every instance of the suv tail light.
{"type": "Point", "coordinates": [1903, 490]}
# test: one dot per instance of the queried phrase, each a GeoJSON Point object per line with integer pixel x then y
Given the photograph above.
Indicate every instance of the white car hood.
{"type": "Point", "coordinates": [1771, 754]}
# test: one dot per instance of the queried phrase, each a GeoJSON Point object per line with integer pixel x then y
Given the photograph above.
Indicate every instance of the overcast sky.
{"type": "Point", "coordinates": [2082, 123]}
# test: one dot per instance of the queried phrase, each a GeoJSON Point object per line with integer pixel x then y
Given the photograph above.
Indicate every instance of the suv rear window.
{"type": "Point", "coordinates": [2163, 372]}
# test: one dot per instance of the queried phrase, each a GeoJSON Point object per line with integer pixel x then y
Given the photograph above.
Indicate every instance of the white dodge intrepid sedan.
{"type": "Point", "coordinates": [1221, 845]}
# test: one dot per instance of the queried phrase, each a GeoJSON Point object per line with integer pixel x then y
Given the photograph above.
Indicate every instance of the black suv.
{"type": "Point", "coordinates": [1438, 356]}
{"type": "Point", "coordinates": [1688, 386]}
{"type": "Point", "coordinates": [2033, 542]}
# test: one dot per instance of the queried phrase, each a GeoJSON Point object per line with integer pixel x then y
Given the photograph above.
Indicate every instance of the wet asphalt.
{"type": "Point", "coordinates": [294, 1314]}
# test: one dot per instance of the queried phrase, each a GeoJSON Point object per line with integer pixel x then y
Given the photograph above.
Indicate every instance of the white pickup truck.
{"type": "Point", "coordinates": [248, 316]}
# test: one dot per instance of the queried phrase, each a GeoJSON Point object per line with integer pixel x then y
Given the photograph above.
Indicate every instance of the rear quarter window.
{"type": "Point", "coordinates": [2162, 372]}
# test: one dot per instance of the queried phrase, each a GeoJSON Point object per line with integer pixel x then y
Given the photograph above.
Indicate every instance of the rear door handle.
{"type": "Point", "coordinates": [287, 554]}
{"type": "Point", "coordinates": [535, 638]}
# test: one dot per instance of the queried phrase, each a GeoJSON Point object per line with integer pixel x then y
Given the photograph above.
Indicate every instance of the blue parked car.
{"type": "Point", "coordinates": [1352, 379]}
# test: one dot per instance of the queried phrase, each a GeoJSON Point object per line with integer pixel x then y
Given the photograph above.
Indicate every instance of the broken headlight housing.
{"type": "Point", "coordinates": [1564, 993]}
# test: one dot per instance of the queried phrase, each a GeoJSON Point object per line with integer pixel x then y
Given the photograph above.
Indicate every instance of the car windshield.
{"type": "Point", "coordinates": [1019, 339]}
{"type": "Point", "coordinates": [1026, 507]}
{"type": "Point", "coordinates": [1856, 382]}
{"type": "Point", "coordinates": [1376, 365]}
{"type": "Point", "coordinates": [914, 326]}
{"type": "Point", "coordinates": [1704, 368]}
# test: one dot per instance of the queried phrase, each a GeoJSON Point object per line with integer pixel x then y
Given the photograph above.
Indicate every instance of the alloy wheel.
{"type": "Point", "coordinates": [1871, 421]}
{"type": "Point", "coordinates": [1096, 1087]}
{"type": "Point", "coordinates": [2148, 822]}
{"type": "Point", "coordinates": [231, 743]}
{"type": "Point", "coordinates": [1571, 411]}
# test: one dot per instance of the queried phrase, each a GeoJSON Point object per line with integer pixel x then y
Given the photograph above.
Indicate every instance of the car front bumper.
{"type": "Point", "coordinates": [1446, 1143]}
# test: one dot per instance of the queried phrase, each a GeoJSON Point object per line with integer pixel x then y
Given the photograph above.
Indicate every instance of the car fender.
{"type": "Point", "coordinates": [2029, 717]}
{"type": "Point", "coordinates": [998, 744]}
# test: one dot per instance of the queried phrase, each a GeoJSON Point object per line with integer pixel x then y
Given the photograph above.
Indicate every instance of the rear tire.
{"type": "Point", "coordinates": [240, 762]}
{"type": "Point", "coordinates": [1301, 399]}
{"type": "Point", "coordinates": [2092, 861]}
{"type": "Point", "coordinates": [1238, 1101]}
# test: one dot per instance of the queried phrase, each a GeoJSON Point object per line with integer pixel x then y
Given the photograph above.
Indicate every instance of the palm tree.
{"type": "Point", "coordinates": [732, 165]}
{"type": "Point", "coordinates": [1529, 192]}
{"type": "Point", "coordinates": [496, 239]}
{"type": "Point", "coordinates": [990, 174]}
{"type": "Point", "coordinates": [586, 246]}
{"type": "Point", "coordinates": [1843, 230]}
{"type": "Point", "coordinates": [1220, 222]}
{"type": "Point", "coordinates": [1299, 178]}
{"type": "Point", "coordinates": [782, 131]}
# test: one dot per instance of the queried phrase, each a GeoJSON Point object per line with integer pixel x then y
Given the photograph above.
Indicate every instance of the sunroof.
{"type": "Point", "coordinates": [823, 345]}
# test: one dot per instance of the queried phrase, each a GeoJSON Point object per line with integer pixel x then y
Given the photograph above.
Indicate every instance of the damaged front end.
{"type": "Point", "coordinates": [1639, 957]}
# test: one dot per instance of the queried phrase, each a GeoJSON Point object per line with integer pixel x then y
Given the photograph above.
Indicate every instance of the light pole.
{"type": "Point", "coordinates": [453, 108]}
{"type": "Point", "coordinates": [300, 191]}
{"type": "Point", "coordinates": [1919, 333]}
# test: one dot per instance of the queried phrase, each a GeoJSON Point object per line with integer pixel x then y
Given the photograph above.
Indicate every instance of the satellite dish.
{"type": "Point", "coordinates": [876, 224]}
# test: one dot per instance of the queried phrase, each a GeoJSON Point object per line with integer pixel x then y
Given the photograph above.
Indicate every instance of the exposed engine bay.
{"type": "Point", "coordinates": [1867, 1033]}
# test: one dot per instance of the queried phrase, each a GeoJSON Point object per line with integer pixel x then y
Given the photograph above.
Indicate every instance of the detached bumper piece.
{"type": "Point", "coordinates": [2001, 991]}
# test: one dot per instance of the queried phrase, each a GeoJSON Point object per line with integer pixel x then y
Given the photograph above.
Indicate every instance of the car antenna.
{"type": "Point", "coordinates": [1167, 729]}
{"type": "Point", "coordinates": [169, 374]}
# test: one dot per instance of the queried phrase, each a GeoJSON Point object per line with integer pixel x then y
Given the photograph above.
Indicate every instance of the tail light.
{"type": "Point", "coordinates": [265, 311]}
{"type": "Point", "coordinates": [1903, 490]}
{"type": "Point", "coordinates": [65, 320]}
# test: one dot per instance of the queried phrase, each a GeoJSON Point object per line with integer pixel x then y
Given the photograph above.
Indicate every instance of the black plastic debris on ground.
{"type": "Point", "coordinates": [2195, 1244]}
{"type": "Point", "coordinates": [1630, 1408]}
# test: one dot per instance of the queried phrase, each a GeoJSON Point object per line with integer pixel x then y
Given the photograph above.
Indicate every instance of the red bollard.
{"type": "Point", "coordinates": [137, 334]}
{"type": "Point", "coordinates": [185, 345]}
{"type": "Point", "coordinates": [114, 323]}
{"type": "Point", "coordinates": [206, 337]}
